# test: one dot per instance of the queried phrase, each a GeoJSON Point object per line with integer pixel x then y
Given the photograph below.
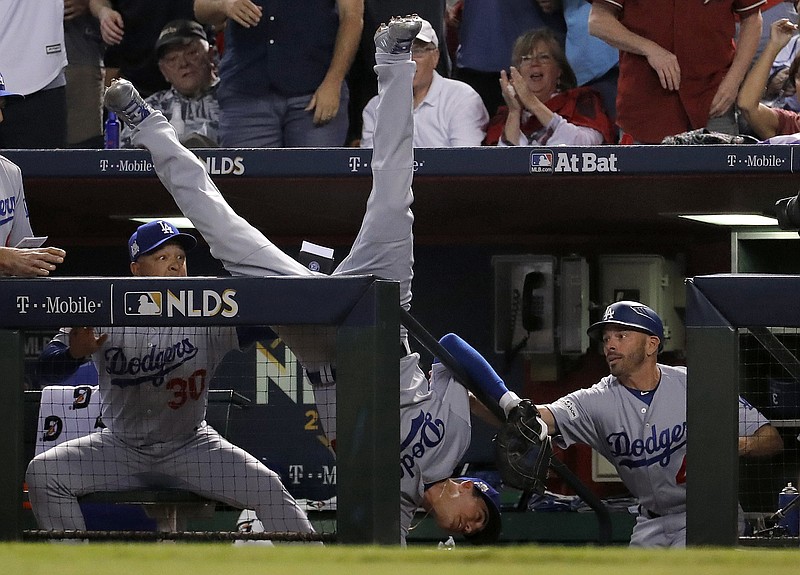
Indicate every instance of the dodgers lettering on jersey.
{"type": "Point", "coordinates": [8, 206]}
{"type": "Point", "coordinates": [645, 443]}
{"type": "Point", "coordinates": [658, 447]}
{"type": "Point", "coordinates": [152, 367]}
{"type": "Point", "coordinates": [426, 433]}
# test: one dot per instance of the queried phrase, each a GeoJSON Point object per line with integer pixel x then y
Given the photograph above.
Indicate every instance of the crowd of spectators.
{"type": "Point", "coordinates": [256, 73]}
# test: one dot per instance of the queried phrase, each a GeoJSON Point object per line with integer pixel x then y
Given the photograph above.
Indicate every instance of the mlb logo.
{"type": "Point", "coordinates": [143, 303]}
{"type": "Point", "coordinates": [541, 161]}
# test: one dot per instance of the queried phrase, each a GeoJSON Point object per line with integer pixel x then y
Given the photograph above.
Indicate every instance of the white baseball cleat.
{"type": "Point", "coordinates": [121, 97]}
{"type": "Point", "coordinates": [397, 36]}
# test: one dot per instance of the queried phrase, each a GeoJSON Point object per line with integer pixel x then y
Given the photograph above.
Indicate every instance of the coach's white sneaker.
{"type": "Point", "coordinates": [121, 97]}
{"type": "Point", "coordinates": [397, 36]}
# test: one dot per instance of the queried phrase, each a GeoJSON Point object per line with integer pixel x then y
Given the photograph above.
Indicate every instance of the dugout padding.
{"type": "Point", "coordinates": [724, 314]}
{"type": "Point", "coordinates": [362, 309]}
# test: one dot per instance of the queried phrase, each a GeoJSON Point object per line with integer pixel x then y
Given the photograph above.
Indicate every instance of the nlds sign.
{"type": "Point", "coordinates": [186, 303]}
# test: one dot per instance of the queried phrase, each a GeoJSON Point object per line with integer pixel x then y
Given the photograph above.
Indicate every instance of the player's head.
{"type": "Point", "coordinates": [633, 315]}
{"type": "Point", "coordinates": [628, 320]}
{"type": "Point", "coordinates": [471, 507]}
{"type": "Point", "coordinates": [425, 52]}
{"type": "Point", "coordinates": [6, 97]}
{"type": "Point", "coordinates": [185, 57]}
{"type": "Point", "coordinates": [158, 249]}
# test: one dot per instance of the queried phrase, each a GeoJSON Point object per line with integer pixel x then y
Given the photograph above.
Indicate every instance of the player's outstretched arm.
{"type": "Point", "coordinates": [765, 442]}
{"type": "Point", "coordinates": [480, 371]}
{"type": "Point", "coordinates": [30, 262]}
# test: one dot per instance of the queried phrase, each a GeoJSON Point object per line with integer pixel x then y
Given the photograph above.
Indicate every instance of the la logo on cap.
{"type": "Point", "coordinates": [166, 228]}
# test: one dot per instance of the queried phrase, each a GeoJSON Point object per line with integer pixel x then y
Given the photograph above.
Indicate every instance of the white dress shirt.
{"type": "Point", "coordinates": [451, 115]}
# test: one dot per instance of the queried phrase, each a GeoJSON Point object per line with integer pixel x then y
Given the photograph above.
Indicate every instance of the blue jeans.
{"type": "Point", "coordinates": [275, 121]}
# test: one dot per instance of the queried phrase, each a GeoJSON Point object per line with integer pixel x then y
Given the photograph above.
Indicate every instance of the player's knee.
{"type": "Point", "coordinates": [35, 474]}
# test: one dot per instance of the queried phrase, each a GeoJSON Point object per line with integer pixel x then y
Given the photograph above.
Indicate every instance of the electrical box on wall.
{"type": "Point", "coordinates": [649, 279]}
{"type": "Point", "coordinates": [524, 293]}
{"type": "Point", "coordinates": [574, 308]}
{"type": "Point", "coordinates": [603, 471]}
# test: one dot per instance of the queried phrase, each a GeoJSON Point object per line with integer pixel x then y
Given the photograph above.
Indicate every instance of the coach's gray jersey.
{"type": "Point", "coordinates": [154, 381]}
{"type": "Point", "coordinates": [646, 444]}
{"type": "Point", "coordinates": [435, 431]}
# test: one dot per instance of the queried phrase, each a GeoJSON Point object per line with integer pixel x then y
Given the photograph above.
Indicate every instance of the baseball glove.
{"type": "Point", "coordinates": [523, 449]}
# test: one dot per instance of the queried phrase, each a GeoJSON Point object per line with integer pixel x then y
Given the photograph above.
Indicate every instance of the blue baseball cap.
{"type": "Point", "coordinates": [6, 94]}
{"type": "Point", "coordinates": [632, 314]}
{"type": "Point", "coordinates": [494, 524]}
{"type": "Point", "coordinates": [149, 236]}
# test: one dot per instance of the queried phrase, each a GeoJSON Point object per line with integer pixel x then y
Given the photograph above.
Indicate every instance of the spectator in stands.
{"type": "Point", "coordinates": [766, 121]}
{"type": "Point", "coordinates": [543, 105]}
{"type": "Point", "coordinates": [487, 31]}
{"type": "Point", "coordinates": [130, 29]}
{"type": "Point", "coordinates": [85, 76]}
{"type": "Point", "coordinates": [361, 80]}
{"type": "Point", "coordinates": [447, 113]}
{"type": "Point", "coordinates": [772, 11]}
{"type": "Point", "coordinates": [15, 225]}
{"type": "Point", "coordinates": [594, 62]}
{"type": "Point", "coordinates": [186, 61]}
{"type": "Point", "coordinates": [282, 75]}
{"type": "Point", "coordinates": [679, 67]}
{"type": "Point", "coordinates": [33, 58]}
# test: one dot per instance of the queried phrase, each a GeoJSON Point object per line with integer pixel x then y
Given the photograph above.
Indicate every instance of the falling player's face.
{"type": "Point", "coordinates": [626, 350]}
{"type": "Point", "coordinates": [169, 260]}
{"type": "Point", "coordinates": [459, 510]}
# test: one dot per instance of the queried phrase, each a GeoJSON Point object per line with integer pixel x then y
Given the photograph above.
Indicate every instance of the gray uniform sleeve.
{"type": "Point", "coordinates": [12, 190]}
{"type": "Point", "coordinates": [750, 419]}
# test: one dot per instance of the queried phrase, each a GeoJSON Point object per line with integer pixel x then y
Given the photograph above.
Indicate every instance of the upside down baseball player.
{"type": "Point", "coordinates": [436, 412]}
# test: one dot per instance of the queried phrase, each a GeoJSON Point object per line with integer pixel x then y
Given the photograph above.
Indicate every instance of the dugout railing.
{"type": "Point", "coordinates": [363, 309]}
{"type": "Point", "coordinates": [719, 310]}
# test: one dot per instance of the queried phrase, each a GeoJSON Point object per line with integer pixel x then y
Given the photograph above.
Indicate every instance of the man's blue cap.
{"type": "Point", "coordinates": [149, 236]}
{"type": "Point", "coordinates": [6, 94]}
{"type": "Point", "coordinates": [494, 524]}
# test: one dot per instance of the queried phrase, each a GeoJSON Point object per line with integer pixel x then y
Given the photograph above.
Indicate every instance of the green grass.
{"type": "Point", "coordinates": [225, 559]}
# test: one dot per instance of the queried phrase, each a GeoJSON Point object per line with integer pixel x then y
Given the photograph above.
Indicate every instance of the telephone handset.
{"type": "Point", "coordinates": [530, 308]}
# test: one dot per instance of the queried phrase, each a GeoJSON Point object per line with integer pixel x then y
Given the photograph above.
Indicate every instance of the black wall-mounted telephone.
{"type": "Point", "coordinates": [529, 307]}
{"type": "Point", "coordinates": [532, 305]}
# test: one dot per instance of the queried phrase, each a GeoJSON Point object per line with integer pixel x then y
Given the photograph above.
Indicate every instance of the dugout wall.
{"type": "Point", "coordinates": [363, 310]}
{"type": "Point", "coordinates": [723, 313]}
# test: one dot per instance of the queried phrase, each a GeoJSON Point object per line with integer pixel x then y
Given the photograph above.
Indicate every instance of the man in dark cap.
{"type": "Point", "coordinates": [187, 62]}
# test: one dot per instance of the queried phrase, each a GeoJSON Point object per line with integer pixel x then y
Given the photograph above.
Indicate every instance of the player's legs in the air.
{"type": "Point", "coordinates": [213, 467]}
{"type": "Point", "coordinates": [94, 462]}
{"type": "Point", "coordinates": [384, 244]}
{"type": "Point", "coordinates": [241, 248]}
